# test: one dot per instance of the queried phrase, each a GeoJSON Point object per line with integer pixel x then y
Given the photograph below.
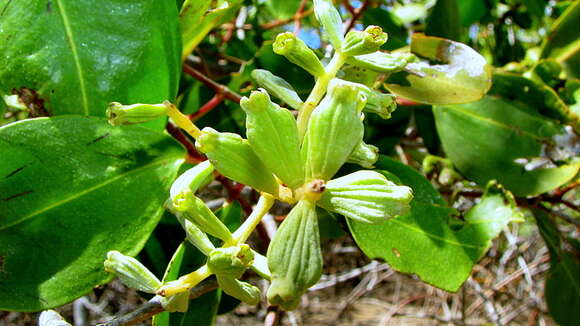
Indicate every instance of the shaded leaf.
{"type": "Point", "coordinates": [472, 11]}
{"type": "Point", "coordinates": [67, 188]}
{"type": "Point", "coordinates": [283, 9]}
{"type": "Point", "coordinates": [444, 20]}
{"type": "Point", "coordinates": [423, 242]}
{"type": "Point", "coordinates": [563, 42]}
{"type": "Point", "coordinates": [80, 55]}
{"type": "Point", "coordinates": [563, 280]}
{"type": "Point", "coordinates": [449, 73]}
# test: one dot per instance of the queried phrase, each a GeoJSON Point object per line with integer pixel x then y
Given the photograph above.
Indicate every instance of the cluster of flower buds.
{"type": "Point", "coordinates": [292, 160]}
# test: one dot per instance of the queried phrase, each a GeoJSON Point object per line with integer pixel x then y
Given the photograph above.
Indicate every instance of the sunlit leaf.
{"type": "Point", "coordinates": [76, 56]}
{"type": "Point", "coordinates": [563, 42]}
{"type": "Point", "coordinates": [449, 73]}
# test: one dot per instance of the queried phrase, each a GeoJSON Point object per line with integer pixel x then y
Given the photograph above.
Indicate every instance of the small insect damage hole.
{"type": "Point", "coordinates": [33, 102]}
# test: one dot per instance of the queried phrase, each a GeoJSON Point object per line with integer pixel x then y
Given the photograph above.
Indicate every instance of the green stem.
{"type": "Point", "coordinates": [243, 232]}
{"type": "Point", "coordinates": [318, 91]}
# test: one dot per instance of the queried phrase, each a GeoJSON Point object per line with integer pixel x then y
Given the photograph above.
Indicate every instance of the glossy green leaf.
{"type": "Point", "coordinates": [449, 73]}
{"type": "Point", "coordinates": [197, 19]}
{"type": "Point", "coordinates": [283, 9]}
{"type": "Point", "coordinates": [444, 20]}
{"type": "Point", "coordinates": [67, 197]}
{"type": "Point", "coordinates": [563, 280]}
{"type": "Point", "coordinates": [423, 242]}
{"type": "Point", "coordinates": [563, 42]}
{"type": "Point", "coordinates": [79, 55]}
{"type": "Point", "coordinates": [501, 139]}
{"type": "Point", "coordinates": [202, 310]}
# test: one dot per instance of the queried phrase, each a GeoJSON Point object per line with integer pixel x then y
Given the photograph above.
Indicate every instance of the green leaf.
{"type": "Point", "coordinates": [563, 280]}
{"type": "Point", "coordinates": [79, 55]}
{"type": "Point", "coordinates": [197, 19]}
{"type": "Point", "coordinates": [472, 11]}
{"type": "Point", "coordinates": [423, 242]}
{"type": "Point", "coordinates": [563, 43]}
{"type": "Point", "coordinates": [450, 73]}
{"type": "Point", "coordinates": [283, 9]}
{"type": "Point", "coordinates": [444, 20]}
{"type": "Point", "coordinates": [67, 197]}
{"type": "Point", "coordinates": [202, 310]}
{"type": "Point", "coordinates": [500, 139]}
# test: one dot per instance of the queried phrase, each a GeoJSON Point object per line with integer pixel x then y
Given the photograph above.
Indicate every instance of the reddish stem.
{"type": "Point", "coordinates": [207, 107]}
{"type": "Point", "coordinates": [193, 156]}
{"type": "Point", "coordinates": [217, 88]}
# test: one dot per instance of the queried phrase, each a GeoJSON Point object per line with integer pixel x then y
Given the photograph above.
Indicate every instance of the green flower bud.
{"type": "Point", "coordinates": [131, 272]}
{"type": "Point", "coordinates": [176, 303]}
{"type": "Point", "coordinates": [330, 20]}
{"type": "Point", "coordinates": [230, 261]}
{"type": "Point", "coordinates": [294, 256]}
{"type": "Point", "coordinates": [273, 134]}
{"type": "Point", "coordinates": [119, 114]}
{"type": "Point", "coordinates": [297, 52]}
{"type": "Point", "coordinates": [366, 196]}
{"type": "Point", "coordinates": [383, 62]}
{"type": "Point", "coordinates": [51, 318]}
{"type": "Point", "coordinates": [192, 179]}
{"type": "Point", "coordinates": [364, 155]}
{"type": "Point", "coordinates": [196, 211]}
{"type": "Point", "coordinates": [233, 157]}
{"type": "Point", "coordinates": [195, 235]}
{"type": "Point", "coordinates": [381, 104]}
{"type": "Point", "coordinates": [334, 129]}
{"type": "Point", "coordinates": [242, 291]}
{"type": "Point", "coordinates": [368, 41]}
{"type": "Point", "coordinates": [278, 87]}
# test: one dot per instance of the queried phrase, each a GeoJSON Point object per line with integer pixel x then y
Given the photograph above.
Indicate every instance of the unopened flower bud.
{"type": "Point", "coordinates": [277, 87]}
{"type": "Point", "coordinates": [381, 104]}
{"type": "Point", "coordinates": [192, 179]}
{"type": "Point", "coordinates": [334, 129]}
{"type": "Point", "coordinates": [273, 134]}
{"type": "Point", "coordinates": [294, 256]}
{"type": "Point", "coordinates": [195, 235]}
{"type": "Point", "coordinates": [119, 114]}
{"type": "Point", "coordinates": [297, 52]}
{"type": "Point", "coordinates": [366, 196]}
{"type": "Point", "coordinates": [383, 62]}
{"type": "Point", "coordinates": [233, 157]}
{"type": "Point", "coordinates": [242, 291]}
{"type": "Point", "coordinates": [230, 261]}
{"type": "Point", "coordinates": [131, 272]}
{"type": "Point", "coordinates": [368, 41]}
{"type": "Point", "coordinates": [364, 155]}
{"type": "Point", "coordinates": [330, 20]}
{"type": "Point", "coordinates": [196, 211]}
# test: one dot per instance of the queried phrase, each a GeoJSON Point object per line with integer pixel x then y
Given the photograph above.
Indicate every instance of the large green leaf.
{"type": "Point", "coordinates": [563, 42]}
{"type": "Point", "coordinates": [563, 280]}
{"type": "Point", "coordinates": [71, 189]}
{"type": "Point", "coordinates": [448, 73]}
{"type": "Point", "coordinates": [283, 9]}
{"type": "Point", "coordinates": [79, 55]}
{"type": "Point", "coordinates": [423, 242]}
{"type": "Point", "coordinates": [500, 138]}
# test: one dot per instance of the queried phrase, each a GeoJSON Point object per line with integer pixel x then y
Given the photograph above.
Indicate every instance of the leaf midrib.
{"type": "Point", "coordinates": [87, 191]}
{"type": "Point", "coordinates": [76, 59]}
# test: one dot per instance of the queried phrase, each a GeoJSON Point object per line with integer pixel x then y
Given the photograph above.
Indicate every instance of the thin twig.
{"type": "Point", "coordinates": [217, 88]}
{"type": "Point", "coordinates": [298, 17]}
{"type": "Point", "coordinates": [356, 14]}
{"type": "Point", "coordinates": [282, 22]}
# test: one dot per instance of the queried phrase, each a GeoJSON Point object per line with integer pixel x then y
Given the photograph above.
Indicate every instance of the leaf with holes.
{"type": "Point", "coordinates": [76, 56]}
{"type": "Point", "coordinates": [68, 190]}
{"type": "Point", "coordinates": [423, 241]}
